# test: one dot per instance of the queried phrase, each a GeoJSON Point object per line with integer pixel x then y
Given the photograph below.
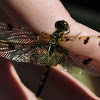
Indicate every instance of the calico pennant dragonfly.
{"type": "Point", "coordinates": [24, 45]}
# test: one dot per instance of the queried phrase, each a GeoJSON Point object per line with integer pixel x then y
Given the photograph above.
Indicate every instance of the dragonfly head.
{"type": "Point", "coordinates": [62, 26]}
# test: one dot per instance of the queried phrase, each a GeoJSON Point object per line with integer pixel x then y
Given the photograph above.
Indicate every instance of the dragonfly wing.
{"type": "Point", "coordinates": [40, 55]}
{"type": "Point", "coordinates": [23, 35]}
{"type": "Point", "coordinates": [83, 45]}
{"type": "Point", "coordinates": [81, 50]}
{"type": "Point", "coordinates": [16, 34]}
{"type": "Point", "coordinates": [79, 64]}
{"type": "Point", "coordinates": [15, 43]}
{"type": "Point", "coordinates": [19, 53]}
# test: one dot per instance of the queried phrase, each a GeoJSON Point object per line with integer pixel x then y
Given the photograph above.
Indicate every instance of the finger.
{"type": "Point", "coordinates": [59, 85]}
{"type": "Point", "coordinates": [11, 87]}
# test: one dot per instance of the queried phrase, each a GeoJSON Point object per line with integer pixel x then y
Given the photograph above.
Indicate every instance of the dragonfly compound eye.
{"type": "Point", "coordinates": [62, 25]}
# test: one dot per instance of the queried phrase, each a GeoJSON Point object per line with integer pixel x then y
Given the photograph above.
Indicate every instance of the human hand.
{"type": "Point", "coordinates": [43, 18]}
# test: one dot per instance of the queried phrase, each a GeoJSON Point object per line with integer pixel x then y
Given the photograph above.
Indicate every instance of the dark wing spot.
{"type": "Point", "coordinates": [99, 43]}
{"type": "Point", "coordinates": [80, 38]}
{"type": "Point", "coordinates": [98, 36]}
{"type": "Point", "coordinates": [86, 40]}
{"type": "Point", "coordinates": [85, 62]}
{"type": "Point", "coordinates": [9, 27]}
{"type": "Point", "coordinates": [11, 46]}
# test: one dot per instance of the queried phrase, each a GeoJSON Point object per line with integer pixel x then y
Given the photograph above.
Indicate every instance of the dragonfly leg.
{"type": "Point", "coordinates": [43, 80]}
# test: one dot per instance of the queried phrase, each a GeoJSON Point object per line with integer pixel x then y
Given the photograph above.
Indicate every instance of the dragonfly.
{"type": "Point", "coordinates": [40, 48]}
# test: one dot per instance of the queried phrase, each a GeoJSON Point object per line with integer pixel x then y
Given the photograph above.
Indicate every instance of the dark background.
{"type": "Point", "coordinates": [84, 11]}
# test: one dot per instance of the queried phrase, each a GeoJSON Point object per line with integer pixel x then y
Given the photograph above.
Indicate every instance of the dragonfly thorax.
{"type": "Point", "coordinates": [54, 42]}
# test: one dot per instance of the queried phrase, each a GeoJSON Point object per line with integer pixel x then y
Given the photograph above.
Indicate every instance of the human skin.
{"type": "Point", "coordinates": [42, 15]}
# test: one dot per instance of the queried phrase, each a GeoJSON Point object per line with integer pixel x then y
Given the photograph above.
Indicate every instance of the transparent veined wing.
{"type": "Point", "coordinates": [83, 52]}
{"type": "Point", "coordinates": [83, 45]}
{"type": "Point", "coordinates": [86, 65]}
{"type": "Point", "coordinates": [39, 55]}
{"type": "Point", "coordinates": [16, 43]}
{"type": "Point", "coordinates": [22, 35]}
